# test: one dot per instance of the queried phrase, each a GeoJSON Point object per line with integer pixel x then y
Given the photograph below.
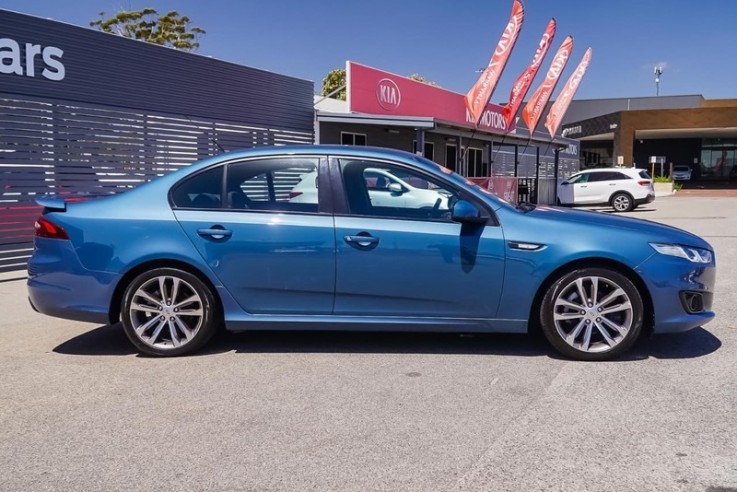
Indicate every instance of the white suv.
{"type": "Point", "coordinates": [619, 187]}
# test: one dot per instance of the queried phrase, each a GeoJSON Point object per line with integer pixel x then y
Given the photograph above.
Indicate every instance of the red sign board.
{"type": "Point", "coordinates": [373, 91]}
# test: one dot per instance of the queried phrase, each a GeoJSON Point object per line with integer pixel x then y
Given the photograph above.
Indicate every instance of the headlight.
{"type": "Point", "coordinates": [695, 255]}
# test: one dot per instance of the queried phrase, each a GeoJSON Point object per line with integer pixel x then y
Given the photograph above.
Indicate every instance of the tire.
{"type": "Point", "coordinates": [599, 329]}
{"type": "Point", "coordinates": [622, 202]}
{"type": "Point", "coordinates": [160, 325]}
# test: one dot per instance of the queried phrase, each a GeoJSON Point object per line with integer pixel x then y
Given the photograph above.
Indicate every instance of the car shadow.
{"type": "Point", "coordinates": [110, 340]}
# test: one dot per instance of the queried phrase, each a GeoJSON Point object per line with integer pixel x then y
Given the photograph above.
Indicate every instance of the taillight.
{"type": "Point", "coordinates": [644, 183]}
{"type": "Point", "coordinates": [46, 228]}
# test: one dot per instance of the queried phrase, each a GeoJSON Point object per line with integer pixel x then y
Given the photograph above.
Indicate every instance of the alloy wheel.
{"type": "Point", "coordinates": [593, 314]}
{"type": "Point", "coordinates": [166, 312]}
{"type": "Point", "coordinates": [621, 203]}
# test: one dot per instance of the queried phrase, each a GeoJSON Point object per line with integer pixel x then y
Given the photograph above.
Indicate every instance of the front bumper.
{"type": "Point", "coordinates": [668, 279]}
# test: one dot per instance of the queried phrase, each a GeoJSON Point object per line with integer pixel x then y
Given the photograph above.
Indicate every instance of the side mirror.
{"type": "Point", "coordinates": [395, 188]}
{"type": "Point", "coordinates": [565, 183]}
{"type": "Point", "coordinates": [466, 212]}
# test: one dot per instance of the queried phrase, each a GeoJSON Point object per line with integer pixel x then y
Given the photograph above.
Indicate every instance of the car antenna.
{"type": "Point", "coordinates": [213, 140]}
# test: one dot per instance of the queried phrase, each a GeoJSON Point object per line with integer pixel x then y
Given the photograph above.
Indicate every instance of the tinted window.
{"type": "Point", "coordinates": [613, 176]}
{"type": "Point", "coordinates": [599, 176]}
{"type": "Point", "coordinates": [386, 190]}
{"type": "Point", "coordinates": [579, 178]}
{"type": "Point", "coordinates": [287, 184]}
{"type": "Point", "coordinates": [199, 191]}
{"type": "Point", "coordinates": [644, 174]}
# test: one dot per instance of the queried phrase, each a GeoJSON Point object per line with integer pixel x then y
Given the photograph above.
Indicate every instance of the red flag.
{"type": "Point", "coordinates": [536, 105]}
{"type": "Point", "coordinates": [560, 106]}
{"type": "Point", "coordinates": [524, 81]}
{"type": "Point", "coordinates": [479, 95]}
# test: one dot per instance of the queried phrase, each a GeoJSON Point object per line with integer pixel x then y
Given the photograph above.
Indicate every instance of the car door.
{"type": "Point", "coordinates": [602, 186]}
{"type": "Point", "coordinates": [408, 260]}
{"type": "Point", "coordinates": [273, 255]}
{"type": "Point", "coordinates": [575, 191]}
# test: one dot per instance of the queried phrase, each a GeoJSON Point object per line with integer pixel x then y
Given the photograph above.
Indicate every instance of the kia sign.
{"type": "Point", "coordinates": [373, 91]}
{"type": "Point", "coordinates": [388, 95]}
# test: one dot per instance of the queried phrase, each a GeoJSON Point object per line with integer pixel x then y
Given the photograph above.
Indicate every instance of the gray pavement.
{"type": "Point", "coordinates": [79, 410]}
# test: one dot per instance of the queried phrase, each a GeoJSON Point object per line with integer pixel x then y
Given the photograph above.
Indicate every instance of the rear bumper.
{"type": "Point", "coordinates": [667, 279]}
{"type": "Point", "coordinates": [648, 199]}
{"type": "Point", "coordinates": [59, 286]}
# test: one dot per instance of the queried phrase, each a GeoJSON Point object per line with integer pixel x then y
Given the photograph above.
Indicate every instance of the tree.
{"type": "Point", "coordinates": [420, 78]}
{"type": "Point", "coordinates": [170, 29]}
{"type": "Point", "coordinates": [334, 83]}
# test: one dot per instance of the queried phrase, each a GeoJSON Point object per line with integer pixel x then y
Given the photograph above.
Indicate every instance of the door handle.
{"type": "Point", "coordinates": [362, 240]}
{"type": "Point", "coordinates": [215, 232]}
{"type": "Point", "coordinates": [583, 186]}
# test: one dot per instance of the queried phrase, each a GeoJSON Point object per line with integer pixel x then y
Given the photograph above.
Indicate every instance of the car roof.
{"type": "Point", "coordinates": [603, 169]}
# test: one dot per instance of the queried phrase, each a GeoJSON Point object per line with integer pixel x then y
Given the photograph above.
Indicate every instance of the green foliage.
{"type": "Point", "coordinates": [170, 29]}
{"type": "Point", "coordinates": [677, 186]}
{"type": "Point", "coordinates": [662, 179]}
{"type": "Point", "coordinates": [334, 84]}
{"type": "Point", "coordinates": [420, 78]}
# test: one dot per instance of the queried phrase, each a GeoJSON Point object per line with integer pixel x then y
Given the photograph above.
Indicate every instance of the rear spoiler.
{"type": "Point", "coordinates": [52, 203]}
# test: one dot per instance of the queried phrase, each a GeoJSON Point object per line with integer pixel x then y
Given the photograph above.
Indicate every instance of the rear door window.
{"type": "Point", "coordinates": [282, 184]}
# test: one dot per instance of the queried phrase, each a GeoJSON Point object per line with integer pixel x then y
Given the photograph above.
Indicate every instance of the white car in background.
{"type": "Point", "coordinates": [619, 187]}
{"type": "Point", "coordinates": [682, 173]}
{"type": "Point", "coordinates": [384, 188]}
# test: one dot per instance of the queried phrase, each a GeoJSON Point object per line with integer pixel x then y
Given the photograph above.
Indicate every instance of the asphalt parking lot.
{"type": "Point", "coordinates": [344, 411]}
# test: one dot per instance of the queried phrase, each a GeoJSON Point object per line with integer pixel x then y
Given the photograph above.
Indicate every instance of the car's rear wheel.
{"type": "Point", "coordinates": [592, 314]}
{"type": "Point", "coordinates": [168, 312]}
{"type": "Point", "coordinates": [622, 202]}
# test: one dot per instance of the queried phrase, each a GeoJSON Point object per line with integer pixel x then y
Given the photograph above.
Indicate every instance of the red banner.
{"type": "Point", "coordinates": [504, 187]}
{"type": "Point", "coordinates": [374, 91]}
{"type": "Point", "coordinates": [524, 81]}
{"type": "Point", "coordinates": [560, 106]}
{"type": "Point", "coordinates": [480, 94]}
{"type": "Point", "coordinates": [536, 105]}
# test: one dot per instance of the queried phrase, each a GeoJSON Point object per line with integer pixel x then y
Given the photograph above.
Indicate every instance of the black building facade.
{"type": "Point", "coordinates": [85, 112]}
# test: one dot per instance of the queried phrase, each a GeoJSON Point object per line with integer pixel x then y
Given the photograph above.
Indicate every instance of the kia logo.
{"type": "Point", "coordinates": [557, 66]}
{"type": "Point", "coordinates": [388, 95]}
{"type": "Point", "coordinates": [506, 40]}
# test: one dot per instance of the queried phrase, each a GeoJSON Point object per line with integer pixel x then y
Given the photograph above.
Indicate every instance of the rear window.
{"type": "Point", "coordinates": [644, 174]}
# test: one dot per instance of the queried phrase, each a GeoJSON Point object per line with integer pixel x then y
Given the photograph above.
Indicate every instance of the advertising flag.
{"type": "Point", "coordinates": [536, 105]}
{"type": "Point", "coordinates": [524, 81]}
{"type": "Point", "coordinates": [480, 94]}
{"type": "Point", "coordinates": [560, 106]}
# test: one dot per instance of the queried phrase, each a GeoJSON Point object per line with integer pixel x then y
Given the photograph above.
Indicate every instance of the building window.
{"type": "Point", "coordinates": [428, 151]}
{"type": "Point", "coordinates": [475, 167]}
{"type": "Point", "coordinates": [348, 138]}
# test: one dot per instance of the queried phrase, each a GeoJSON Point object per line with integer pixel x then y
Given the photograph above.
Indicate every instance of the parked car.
{"type": "Point", "coordinates": [682, 173]}
{"type": "Point", "coordinates": [621, 188]}
{"type": "Point", "coordinates": [221, 242]}
{"type": "Point", "coordinates": [384, 189]}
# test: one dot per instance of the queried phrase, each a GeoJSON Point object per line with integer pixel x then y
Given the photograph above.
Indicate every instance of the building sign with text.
{"type": "Point", "coordinates": [373, 91]}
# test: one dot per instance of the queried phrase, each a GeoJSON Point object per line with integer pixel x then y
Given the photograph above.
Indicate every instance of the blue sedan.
{"type": "Point", "coordinates": [235, 241]}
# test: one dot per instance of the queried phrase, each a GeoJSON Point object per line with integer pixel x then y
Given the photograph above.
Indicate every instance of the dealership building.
{"type": "Point", "coordinates": [682, 130]}
{"type": "Point", "coordinates": [88, 113]}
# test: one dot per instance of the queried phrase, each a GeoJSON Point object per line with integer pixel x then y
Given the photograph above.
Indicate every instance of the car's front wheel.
{"type": "Point", "coordinates": [592, 314]}
{"type": "Point", "coordinates": [622, 202]}
{"type": "Point", "coordinates": [168, 312]}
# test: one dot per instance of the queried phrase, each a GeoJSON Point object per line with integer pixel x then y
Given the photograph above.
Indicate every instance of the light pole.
{"type": "Point", "coordinates": [658, 72]}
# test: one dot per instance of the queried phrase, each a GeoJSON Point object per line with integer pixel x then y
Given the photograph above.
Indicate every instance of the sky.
{"type": "Point", "coordinates": [447, 41]}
